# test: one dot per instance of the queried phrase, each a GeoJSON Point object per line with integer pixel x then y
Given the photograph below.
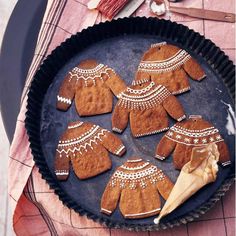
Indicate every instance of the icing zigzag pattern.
{"type": "Point", "coordinates": [90, 74]}
{"type": "Point", "coordinates": [62, 99]}
{"type": "Point", "coordinates": [83, 142]}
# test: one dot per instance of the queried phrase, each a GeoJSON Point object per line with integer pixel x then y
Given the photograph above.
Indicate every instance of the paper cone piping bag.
{"type": "Point", "coordinates": [199, 171]}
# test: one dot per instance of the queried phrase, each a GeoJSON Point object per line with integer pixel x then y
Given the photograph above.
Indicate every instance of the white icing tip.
{"type": "Point", "coordinates": [156, 221]}
{"type": "Point", "coordinates": [195, 116]}
{"type": "Point", "coordinates": [182, 118]}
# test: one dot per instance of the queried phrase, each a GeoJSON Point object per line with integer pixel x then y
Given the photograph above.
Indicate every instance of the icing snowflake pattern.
{"type": "Point", "coordinates": [196, 140]}
{"type": "Point", "coordinates": [194, 137]}
{"type": "Point", "coordinates": [143, 176]}
{"type": "Point", "coordinates": [143, 184]}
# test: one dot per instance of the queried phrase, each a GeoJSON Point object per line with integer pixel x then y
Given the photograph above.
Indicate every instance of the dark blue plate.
{"type": "Point", "coordinates": [120, 44]}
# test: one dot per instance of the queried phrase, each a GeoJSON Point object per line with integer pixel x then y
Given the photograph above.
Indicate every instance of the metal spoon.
{"type": "Point", "coordinates": [159, 7]}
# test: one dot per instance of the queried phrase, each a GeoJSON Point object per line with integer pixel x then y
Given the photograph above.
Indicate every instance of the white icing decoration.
{"type": "Point", "coordinates": [119, 149]}
{"type": "Point", "coordinates": [81, 138]}
{"type": "Point", "coordinates": [158, 44]}
{"type": "Point", "coordinates": [136, 175]}
{"type": "Point", "coordinates": [90, 74]}
{"type": "Point", "coordinates": [194, 133]}
{"type": "Point", "coordinates": [191, 143]}
{"type": "Point", "coordinates": [195, 117]}
{"type": "Point", "coordinates": [135, 167]}
{"type": "Point", "coordinates": [143, 184]}
{"type": "Point", "coordinates": [204, 140]}
{"type": "Point", "coordinates": [105, 210]}
{"type": "Point", "coordinates": [160, 157]}
{"type": "Point", "coordinates": [92, 71]}
{"type": "Point", "coordinates": [143, 213]}
{"type": "Point", "coordinates": [83, 142]}
{"type": "Point", "coordinates": [75, 126]}
{"type": "Point", "coordinates": [181, 91]}
{"type": "Point", "coordinates": [63, 99]}
{"type": "Point", "coordinates": [122, 184]}
{"type": "Point", "coordinates": [142, 177]}
{"type": "Point", "coordinates": [181, 118]}
{"type": "Point", "coordinates": [145, 101]}
{"type": "Point", "coordinates": [141, 81]}
{"type": "Point", "coordinates": [226, 163]}
{"type": "Point", "coordinates": [61, 172]}
{"type": "Point", "coordinates": [194, 137]}
{"type": "Point", "coordinates": [166, 65]}
{"type": "Point", "coordinates": [135, 160]}
{"type": "Point", "coordinates": [117, 130]}
{"type": "Point", "coordinates": [150, 133]}
{"type": "Point", "coordinates": [141, 91]}
{"type": "Point", "coordinates": [196, 140]}
{"type": "Point", "coordinates": [178, 136]}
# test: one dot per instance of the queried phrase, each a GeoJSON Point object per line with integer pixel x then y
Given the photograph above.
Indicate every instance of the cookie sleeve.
{"type": "Point", "coordinates": [110, 197]}
{"type": "Point", "coordinates": [193, 69]}
{"type": "Point", "coordinates": [224, 158]}
{"type": "Point", "coordinates": [120, 118]}
{"type": "Point", "coordinates": [66, 93]}
{"type": "Point", "coordinates": [165, 147]}
{"type": "Point", "coordinates": [113, 144]}
{"type": "Point", "coordinates": [164, 185]}
{"type": "Point", "coordinates": [61, 165]}
{"type": "Point", "coordinates": [174, 108]}
{"type": "Point", "coordinates": [114, 82]}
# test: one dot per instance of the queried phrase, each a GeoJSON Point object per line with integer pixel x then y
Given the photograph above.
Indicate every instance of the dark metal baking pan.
{"type": "Point", "coordinates": [120, 44]}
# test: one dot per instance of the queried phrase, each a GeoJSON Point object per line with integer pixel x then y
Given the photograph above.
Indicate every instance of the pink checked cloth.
{"type": "Point", "coordinates": [36, 209]}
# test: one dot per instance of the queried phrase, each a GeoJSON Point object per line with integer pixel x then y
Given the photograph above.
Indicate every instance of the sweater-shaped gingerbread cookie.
{"type": "Point", "coordinates": [91, 86]}
{"type": "Point", "coordinates": [185, 135]}
{"type": "Point", "coordinates": [136, 185]}
{"type": "Point", "coordinates": [86, 146]}
{"type": "Point", "coordinates": [168, 65]}
{"type": "Point", "coordinates": [146, 106]}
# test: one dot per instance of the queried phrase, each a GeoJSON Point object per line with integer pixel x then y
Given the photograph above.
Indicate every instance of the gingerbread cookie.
{"type": "Point", "coordinates": [185, 135]}
{"type": "Point", "coordinates": [169, 65]}
{"type": "Point", "coordinates": [91, 86]}
{"type": "Point", "coordinates": [136, 183]}
{"type": "Point", "coordinates": [146, 106]}
{"type": "Point", "coordinates": [86, 146]}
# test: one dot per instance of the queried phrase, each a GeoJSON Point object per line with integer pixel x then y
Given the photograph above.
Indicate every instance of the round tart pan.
{"type": "Point", "coordinates": [120, 44]}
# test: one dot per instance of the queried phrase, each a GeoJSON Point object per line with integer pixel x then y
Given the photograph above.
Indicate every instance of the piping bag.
{"type": "Point", "coordinates": [198, 172]}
